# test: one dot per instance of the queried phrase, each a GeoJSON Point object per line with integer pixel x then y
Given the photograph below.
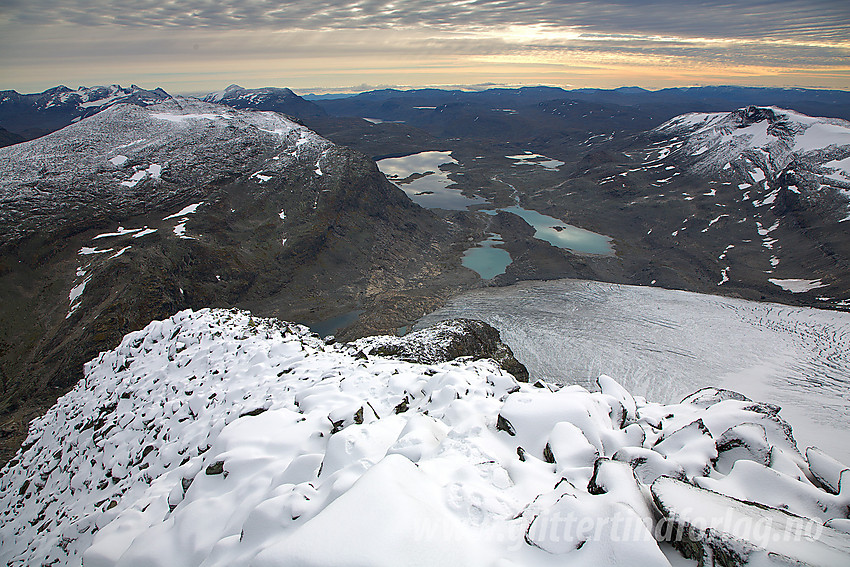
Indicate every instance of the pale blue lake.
{"type": "Point", "coordinates": [334, 324]}
{"type": "Point", "coordinates": [563, 235]}
{"type": "Point", "coordinates": [433, 189]}
{"type": "Point", "coordinates": [487, 260]}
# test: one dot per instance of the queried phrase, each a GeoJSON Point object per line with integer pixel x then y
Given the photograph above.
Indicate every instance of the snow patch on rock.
{"type": "Point", "coordinates": [797, 285]}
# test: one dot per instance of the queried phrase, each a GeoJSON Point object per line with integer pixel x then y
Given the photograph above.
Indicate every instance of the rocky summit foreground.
{"type": "Point", "coordinates": [217, 438]}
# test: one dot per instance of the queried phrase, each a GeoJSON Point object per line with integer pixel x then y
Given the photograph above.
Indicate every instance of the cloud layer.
{"type": "Point", "coordinates": [410, 38]}
{"type": "Point", "coordinates": [818, 20]}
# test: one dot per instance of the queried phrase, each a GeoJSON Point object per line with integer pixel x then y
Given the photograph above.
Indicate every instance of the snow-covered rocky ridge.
{"type": "Point", "coordinates": [267, 98]}
{"type": "Point", "coordinates": [765, 144]}
{"type": "Point", "coordinates": [39, 113]}
{"type": "Point", "coordinates": [109, 162]}
{"type": "Point", "coordinates": [215, 438]}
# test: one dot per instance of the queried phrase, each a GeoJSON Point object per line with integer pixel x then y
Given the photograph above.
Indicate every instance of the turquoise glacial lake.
{"type": "Point", "coordinates": [487, 260]}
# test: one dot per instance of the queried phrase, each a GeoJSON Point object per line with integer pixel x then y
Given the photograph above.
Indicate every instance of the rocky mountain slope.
{"type": "Point", "coordinates": [216, 438]}
{"type": "Point", "coordinates": [269, 98]}
{"type": "Point", "coordinates": [34, 115]}
{"type": "Point", "coordinates": [136, 212]}
{"type": "Point", "coordinates": [8, 138]}
{"type": "Point", "coordinates": [752, 203]}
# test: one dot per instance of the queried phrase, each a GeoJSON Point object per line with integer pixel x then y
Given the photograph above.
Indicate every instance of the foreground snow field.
{"type": "Point", "coordinates": [213, 438]}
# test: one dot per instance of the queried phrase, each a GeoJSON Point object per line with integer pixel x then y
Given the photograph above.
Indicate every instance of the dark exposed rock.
{"type": "Point", "coordinates": [594, 485]}
{"type": "Point", "coordinates": [253, 412]}
{"type": "Point", "coordinates": [336, 426]}
{"type": "Point", "coordinates": [753, 114]}
{"type": "Point", "coordinates": [771, 410]}
{"type": "Point", "coordinates": [402, 406]}
{"type": "Point", "coordinates": [268, 98]}
{"type": "Point", "coordinates": [449, 340]}
{"type": "Point", "coordinates": [547, 454]}
{"type": "Point", "coordinates": [706, 397]}
{"type": "Point", "coordinates": [503, 424]}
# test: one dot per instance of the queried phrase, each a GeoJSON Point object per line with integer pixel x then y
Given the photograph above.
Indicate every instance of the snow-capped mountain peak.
{"type": "Point", "coordinates": [218, 95]}
{"type": "Point", "coordinates": [276, 99]}
{"type": "Point", "coordinates": [773, 135]}
{"type": "Point", "coordinates": [33, 115]}
{"type": "Point", "coordinates": [765, 151]}
{"type": "Point", "coordinates": [123, 143]}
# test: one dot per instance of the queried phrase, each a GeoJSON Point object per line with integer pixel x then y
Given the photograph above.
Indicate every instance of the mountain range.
{"type": "Point", "coordinates": [33, 115]}
{"type": "Point", "coordinates": [139, 204]}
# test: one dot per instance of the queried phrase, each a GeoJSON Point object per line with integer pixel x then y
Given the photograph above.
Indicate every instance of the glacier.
{"type": "Point", "coordinates": [664, 344]}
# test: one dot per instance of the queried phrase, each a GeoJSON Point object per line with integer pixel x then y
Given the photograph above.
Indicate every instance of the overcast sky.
{"type": "Point", "coordinates": [195, 46]}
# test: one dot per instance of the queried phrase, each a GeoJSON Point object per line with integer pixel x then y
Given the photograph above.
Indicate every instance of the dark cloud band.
{"type": "Point", "coordinates": [822, 20]}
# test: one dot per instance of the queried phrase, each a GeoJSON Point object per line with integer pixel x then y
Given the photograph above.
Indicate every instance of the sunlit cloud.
{"type": "Point", "coordinates": [194, 45]}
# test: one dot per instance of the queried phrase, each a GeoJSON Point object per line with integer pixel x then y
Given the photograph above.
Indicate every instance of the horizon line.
{"type": "Point", "coordinates": [360, 89]}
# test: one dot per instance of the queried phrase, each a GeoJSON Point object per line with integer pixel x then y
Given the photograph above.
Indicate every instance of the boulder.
{"type": "Point", "coordinates": [717, 530]}
{"type": "Point", "coordinates": [744, 441]}
{"type": "Point", "coordinates": [826, 471]}
{"type": "Point", "coordinates": [447, 341]}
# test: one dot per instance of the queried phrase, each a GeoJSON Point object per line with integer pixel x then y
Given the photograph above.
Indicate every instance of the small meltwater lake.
{"type": "Point", "coordinates": [529, 158]}
{"type": "Point", "coordinates": [487, 260]}
{"type": "Point", "coordinates": [330, 326]}
{"type": "Point", "coordinates": [566, 236]}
